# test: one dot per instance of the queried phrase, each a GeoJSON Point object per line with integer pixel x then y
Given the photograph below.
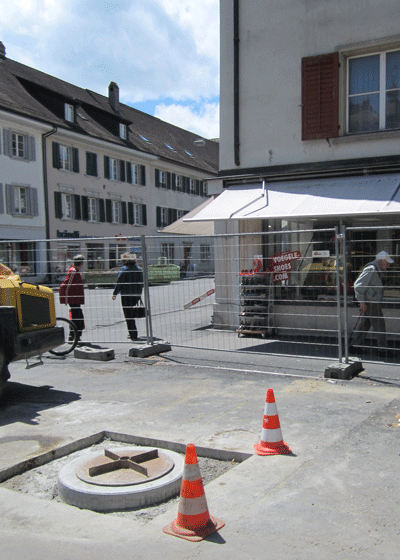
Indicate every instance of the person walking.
{"type": "Point", "coordinates": [368, 289]}
{"type": "Point", "coordinates": [72, 293]}
{"type": "Point", "coordinates": [130, 285]}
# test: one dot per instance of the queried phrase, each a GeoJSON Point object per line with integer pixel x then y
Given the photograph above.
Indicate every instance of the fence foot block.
{"type": "Point", "coordinates": [144, 350]}
{"type": "Point", "coordinates": [341, 370]}
{"type": "Point", "coordinates": [99, 354]}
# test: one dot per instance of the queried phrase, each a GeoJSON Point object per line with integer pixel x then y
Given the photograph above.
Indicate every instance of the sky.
{"type": "Point", "coordinates": [163, 54]}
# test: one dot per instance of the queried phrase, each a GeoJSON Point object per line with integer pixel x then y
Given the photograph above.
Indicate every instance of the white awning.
{"type": "Point", "coordinates": [343, 196]}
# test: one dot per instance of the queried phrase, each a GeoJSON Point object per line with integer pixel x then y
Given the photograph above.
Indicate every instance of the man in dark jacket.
{"type": "Point", "coordinates": [129, 284]}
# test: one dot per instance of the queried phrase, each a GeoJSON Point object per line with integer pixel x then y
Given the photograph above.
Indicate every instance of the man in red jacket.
{"type": "Point", "coordinates": [72, 293]}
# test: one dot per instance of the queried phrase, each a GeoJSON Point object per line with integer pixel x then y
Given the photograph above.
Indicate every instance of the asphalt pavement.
{"type": "Point", "coordinates": [335, 496]}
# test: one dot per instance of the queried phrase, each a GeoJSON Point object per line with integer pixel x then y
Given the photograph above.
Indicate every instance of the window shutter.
{"type": "Point", "coordinates": [7, 142]}
{"type": "Point", "coordinates": [143, 175]}
{"type": "Point", "coordinates": [122, 170]}
{"type": "Point", "coordinates": [129, 172]}
{"type": "Point", "coordinates": [168, 180]}
{"type": "Point", "coordinates": [56, 155]}
{"type": "Point", "coordinates": [85, 211]}
{"type": "Point", "coordinates": [33, 202]}
{"type": "Point", "coordinates": [1, 199]}
{"type": "Point", "coordinates": [144, 215]}
{"type": "Point", "coordinates": [157, 178]}
{"type": "Point", "coordinates": [320, 99]}
{"type": "Point", "coordinates": [77, 207]}
{"type": "Point", "coordinates": [31, 150]}
{"type": "Point", "coordinates": [201, 188]}
{"type": "Point", "coordinates": [158, 211]}
{"type": "Point", "coordinates": [108, 211]}
{"type": "Point", "coordinates": [75, 160]}
{"type": "Point", "coordinates": [57, 205]}
{"type": "Point", "coordinates": [9, 199]}
{"type": "Point", "coordinates": [124, 213]}
{"type": "Point", "coordinates": [91, 164]}
{"type": "Point", "coordinates": [170, 215]}
{"type": "Point", "coordinates": [173, 181]}
{"type": "Point", "coordinates": [130, 213]}
{"type": "Point", "coordinates": [106, 167]}
{"type": "Point", "coordinates": [102, 210]}
{"type": "Point", "coordinates": [197, 187]}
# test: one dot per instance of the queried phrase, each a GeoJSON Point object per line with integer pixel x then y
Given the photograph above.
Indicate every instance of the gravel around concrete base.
{"type": "Point", "coordinates": [41, 482]}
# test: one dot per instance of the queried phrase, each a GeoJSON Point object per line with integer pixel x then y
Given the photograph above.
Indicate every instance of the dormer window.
{"type": "Point", "coordinates": [122, 131]}
{"type": "Point", "coordinates": [69, 112]}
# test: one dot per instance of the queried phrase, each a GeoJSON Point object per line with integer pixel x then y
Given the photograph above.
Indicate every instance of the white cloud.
{"type": "Point", "coordinates": [203, 121]}
{"type": "Point", "coordinates": [153, 49]}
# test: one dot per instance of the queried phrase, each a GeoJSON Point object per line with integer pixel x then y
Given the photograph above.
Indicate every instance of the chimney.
{"type": "Point", "coordinates": [2, 50]}
{"type": "Point", "coordinates": [113, 96]}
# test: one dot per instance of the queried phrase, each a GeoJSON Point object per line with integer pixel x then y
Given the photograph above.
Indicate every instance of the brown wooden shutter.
{"type": "Point", "coordinates": [320, 99]}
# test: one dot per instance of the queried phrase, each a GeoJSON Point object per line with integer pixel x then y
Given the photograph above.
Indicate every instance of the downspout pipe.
{"type": "Point", "coordinates": [236, 100]}
{"type": "Point", "coordinates": [46, 197]}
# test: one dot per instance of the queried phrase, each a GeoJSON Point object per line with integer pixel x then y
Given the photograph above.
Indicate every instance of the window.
{"type": "Point", "coordinates": [161, 179]}
{"type": "Point", "coordinates": [114, 169]}
{"type": "Point", "coordinates": [168, 250]}
{"type": "Point", "coordinates": [122, 131]}
{"type": "Point", "coordinates": [374, 92]}
{"type": "Point", "coordinates": [67, 205]}
{"type": "Point", "coordinates": [178, 182]}
{"type": "Point", "coordinates": [180, 214]}
{"type": "Point", "coordinates": [205, 253]}
{"type": "Point", "coordinates": [116, 211]}
{"type": "Point", "coordinates": [93, 209]}
{"type": "Point", "coordinates": [69, 112]}
{"type": "Point", "coordinates": [165, 216]}
{"type": "Point", "coordinates": [19, 145]}
{"type": "Point", "coordinates": [137, 215]}
{"type": "Point", "coordinates": [65, 157]}
{"type": "Point", "coordinates": [21, 200]}
{"type": "Point", "coordinates": [192, 186]}
{"type": "Point", "coordinates": [67, 202]}
{"type": "Point", "coordinates": [205, 189]}
{"type": "Point", "coordinates": [136, 174]}
{"type": "Point", "coordinates": [91, 164]}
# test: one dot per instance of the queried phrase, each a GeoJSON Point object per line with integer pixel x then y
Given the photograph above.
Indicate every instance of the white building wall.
{"type": "Point", "coordinates": [274, 36]}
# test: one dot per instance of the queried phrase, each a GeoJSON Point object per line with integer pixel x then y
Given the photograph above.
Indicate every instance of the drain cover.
{"type": "Point", "coordinates": [125, 467]}
{"type": "Point", "coordinates": [120, 478]}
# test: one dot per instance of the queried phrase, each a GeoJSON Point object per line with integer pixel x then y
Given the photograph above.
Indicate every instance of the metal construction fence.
{"type": "Point", "coordinates": [272, 292]}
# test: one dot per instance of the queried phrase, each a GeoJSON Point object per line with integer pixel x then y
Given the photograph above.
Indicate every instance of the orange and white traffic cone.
{"type": "Point", "coordinates": [271, 436]}
{"type": "Point", "coordinates": [193, 523]}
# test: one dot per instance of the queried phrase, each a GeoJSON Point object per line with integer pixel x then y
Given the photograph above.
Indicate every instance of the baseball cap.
{"type": "Point", "coordinates": [384, 256]}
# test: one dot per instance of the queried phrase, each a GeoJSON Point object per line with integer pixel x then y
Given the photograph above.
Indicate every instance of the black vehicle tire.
{"type": "Point", "coordinates": [70, 337]}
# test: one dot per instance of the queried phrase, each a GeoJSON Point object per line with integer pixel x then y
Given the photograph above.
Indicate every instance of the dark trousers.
{"type": "Point", "coordinates": [372, 317]}
{"type": "Point", "coordinates": [128, 305]}
{"type": "Point", "coordinates": [76, 316]}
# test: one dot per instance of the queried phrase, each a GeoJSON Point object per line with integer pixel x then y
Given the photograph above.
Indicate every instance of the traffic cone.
{"type": "Point", "coordinates": [193, 523]}
{"type": "Point", "coordinates": [271, 436]}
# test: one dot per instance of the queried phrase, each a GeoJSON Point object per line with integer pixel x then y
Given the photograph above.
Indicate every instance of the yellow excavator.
{"type": "Point", "coordinates": [28, 323]}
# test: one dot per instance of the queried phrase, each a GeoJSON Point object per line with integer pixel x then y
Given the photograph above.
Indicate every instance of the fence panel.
{"type": "Point", "coordinates": [273, 292]}
{"type": "Point", "coordinates": [374, 333]}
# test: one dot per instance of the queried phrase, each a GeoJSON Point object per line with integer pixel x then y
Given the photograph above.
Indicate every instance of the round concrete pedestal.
{"type": "Point", "coordinates": [101, 497]}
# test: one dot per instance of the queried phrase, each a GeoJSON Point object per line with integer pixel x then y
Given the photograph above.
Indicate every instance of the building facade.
{"type": "Point", "coordinates": [310, 129]}
{"type": "Point", "coordinates": [97, 174]}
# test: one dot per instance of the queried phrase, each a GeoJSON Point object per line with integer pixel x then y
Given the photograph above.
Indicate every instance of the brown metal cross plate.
{"type": "Point", "coordinates": [124, 467]}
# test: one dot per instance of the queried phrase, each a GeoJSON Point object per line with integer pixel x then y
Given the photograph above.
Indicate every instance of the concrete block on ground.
{"type": "Point", "coordinates": [141, 350]}
{"type": "Point", "coordinates": [99, 354]}
{"type": "Point", "coordinates": [341, 370]}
